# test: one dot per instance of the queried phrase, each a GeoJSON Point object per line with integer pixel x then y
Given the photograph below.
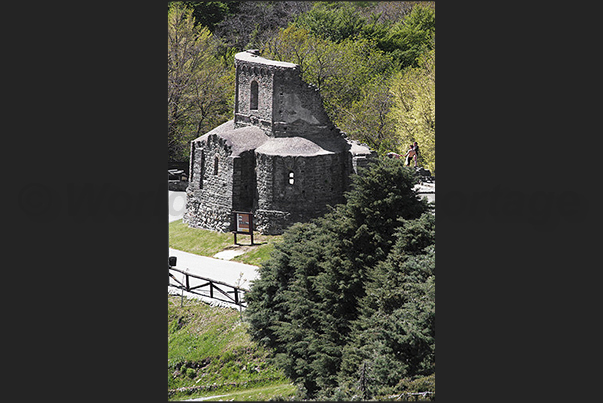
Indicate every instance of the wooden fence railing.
{"type": "Point", "coordinates": [207, 287]}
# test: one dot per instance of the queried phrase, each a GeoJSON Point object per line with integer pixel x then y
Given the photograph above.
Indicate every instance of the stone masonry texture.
{"type": "Point", "coordinates": [280, 158]}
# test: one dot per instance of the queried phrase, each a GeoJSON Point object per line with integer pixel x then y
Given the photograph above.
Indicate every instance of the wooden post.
{"type": "Point", "coordinates": [251, 227]}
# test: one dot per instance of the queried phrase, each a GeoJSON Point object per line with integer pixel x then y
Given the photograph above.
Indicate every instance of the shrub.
{"type": "Point", "coordinates": [191, 373]}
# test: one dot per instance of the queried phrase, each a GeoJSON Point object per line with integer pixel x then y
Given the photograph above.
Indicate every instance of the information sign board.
{"type": "Point", "coordinates": [244, 224]}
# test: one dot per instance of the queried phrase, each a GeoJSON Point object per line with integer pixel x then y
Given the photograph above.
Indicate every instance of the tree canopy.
{"type": "Point", "coordinates": [315, 297]}
{"type": "Point", "coordinates": [200, 88]}
{"type": "Point", "coordinates": [413, 109]}
{"type": "Point", "coordinates": [374, 63]}
{"type": "Point", "coordinates": [347, 301]}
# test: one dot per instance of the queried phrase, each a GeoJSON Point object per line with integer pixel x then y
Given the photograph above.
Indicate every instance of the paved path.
{"type": "Point", "coordinates": [233, 273]}
{"type": "Point", "coordinates": [176, 205]}
{"type": "Point", "coordinates": [223, 270]}
{"type": "Point", "coordinates": [426, 190]}
{"type": "Point", "coordinates": [216, 269]}
{"type": "Point", "coordinates": [200, 399]}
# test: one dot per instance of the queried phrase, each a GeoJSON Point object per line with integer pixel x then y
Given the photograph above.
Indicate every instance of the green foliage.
{"type": "Point", "coordinates": [368, 118]}
{"type": "Point", "coordinates": [191, 373]}
{"type": "Point", "coordinates": [415, 235]}
{"type": "Point", "coordinates": [418, 384]}
{"type": "Point", "coordinates": [312, 291]}
{"type": "Point", "coordinates": [413, 109]}
{"type": "Point", "coordinates": [195, 240]}
{"type": "Point", "coordinates": [200, 87]}
{"type": "Point", "coordinates": [346, 73]}
{"type": "Point", "coordinates": [208, 243]}
{"type": "Point", "coordinates": [352, 51]}
{"type": "Point", "coordinates": [207, 13]}
{"type": "Point", "coordinates": [335, 21]}
{"type": "Point", "coordinates": [382, 194]}
{"type": "Point", "coordinates": [209, 348]}
{"type": "Point", "coordinates": [408, 39]}
{"type": "Point", "coordinates": [394, 337]}
{"type": "Point", "coordinates": [257, 254]}
{"type": "Point", "coordinates": [405, 39]}
{"type": "Point", "coordinates": [210, 13]}
{"type": "Point", "coordinates": [362, 66]}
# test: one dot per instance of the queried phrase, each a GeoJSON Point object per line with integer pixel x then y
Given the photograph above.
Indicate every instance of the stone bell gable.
{"type": "Point", "coordinates": [271, 95]}
{"type": "Point", "coordinates": [280, 157]}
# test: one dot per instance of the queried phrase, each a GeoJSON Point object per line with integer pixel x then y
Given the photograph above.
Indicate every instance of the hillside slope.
{"type": "Point", "coordinates": [210, 353]}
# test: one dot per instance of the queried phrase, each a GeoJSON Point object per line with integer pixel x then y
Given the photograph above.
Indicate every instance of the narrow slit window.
{"type": "Point", "coordinates": [192, 162]}
{"type": "Point", "coordinates": [291, 177]}
{"type": "Point", "coordinates": [254, 95]}
{"type": "Point", "coordinates": [201, 169]}
{"type": "Point", "coordinates": [216, 165]}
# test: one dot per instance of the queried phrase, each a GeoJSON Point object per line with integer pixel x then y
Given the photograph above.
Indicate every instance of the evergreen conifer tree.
{"type": "Point", "coordinates": [308, 295]}
{"type": "Point", "coordinates": [394, 336]}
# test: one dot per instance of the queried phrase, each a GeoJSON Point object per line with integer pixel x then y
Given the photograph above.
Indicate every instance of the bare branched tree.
{"type": "Point", "coordinates": [257, 21]}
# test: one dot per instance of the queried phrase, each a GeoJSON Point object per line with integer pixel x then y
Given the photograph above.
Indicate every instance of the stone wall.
{"type": "Point", "coordinates": [201, 213]}
{"type": "Point", "coordinates": [283, 160]}
{"type": "Point", "coordinates": [297, 188]}
{"type": "Point", "coordinates": [262, 116]}
{"type": "Point", "coordinates": [298, 108]}
{"type": "Point", "coordinates": [209, 194]}
{"type": "Point", "coordinates": [244, 180]}
{"type": "Point", "coordinates": [287, 106]}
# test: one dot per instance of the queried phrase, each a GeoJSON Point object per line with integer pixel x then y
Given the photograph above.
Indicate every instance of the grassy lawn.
{"type": "Point", "coordinates": [209, 350]}
{"type": "Point", "coordinates": [256, 394]}
{"type": "Point", "coordinates": [258, 254]}
{"type": "Point", "coordinates": [197, 241]}
{"type": "Point", "coordinates": [208, 243]}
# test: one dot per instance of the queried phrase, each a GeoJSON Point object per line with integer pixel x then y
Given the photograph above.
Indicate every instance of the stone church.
{"type": "Point", "coordinates": [280, 158]}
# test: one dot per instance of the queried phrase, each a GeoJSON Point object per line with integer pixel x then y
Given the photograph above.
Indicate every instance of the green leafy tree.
{"type": "Point", "coordinates": [334, 21]}
{"type": "Point", "coordinates": [408, 39]}
{"type": "Point", "coordinates": [200, 88]}
{"type": "Point", "coordinates": [389, 10]}
{"type": "Point", "coordinates": [351, 55]}
{"type": "Point", "coordinates": [307, 297]}
{"type": "Point", "coordinates": [349, 75]}
{"type": "Point", "coordinates": [413, 111]}
{"type": "Point", "coordinates": [368, 119]}
{"type": "Point", "coordinates": [404, 30]}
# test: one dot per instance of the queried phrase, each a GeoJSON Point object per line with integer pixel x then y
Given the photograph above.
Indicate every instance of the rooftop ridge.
{"type": "Point", "coordinates": [252, 57]}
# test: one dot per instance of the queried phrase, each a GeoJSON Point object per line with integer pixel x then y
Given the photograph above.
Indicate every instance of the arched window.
{"type": "Point", "coordinates": [216, 160]}
{"type": "Point", "coordinates": [254, 95]}
{"type": "Point", "coordinates": [291, 177]}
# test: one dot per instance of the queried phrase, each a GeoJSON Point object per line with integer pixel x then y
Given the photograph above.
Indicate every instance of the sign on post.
{"type": "Point", "coordinates": [244, 224]}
